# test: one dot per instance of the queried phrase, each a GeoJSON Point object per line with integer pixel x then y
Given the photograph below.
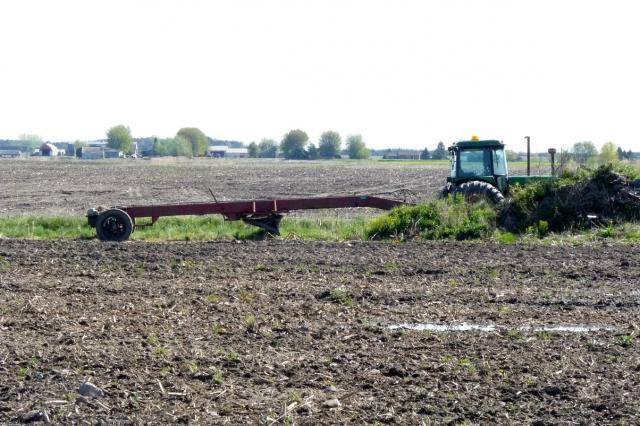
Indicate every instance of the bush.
{"type": "Point", "coordinates": [452, 218]}
{"type": "Point", "coordinates": [575, 201]}
{"type": "Point", "coordinates": [579, 200]}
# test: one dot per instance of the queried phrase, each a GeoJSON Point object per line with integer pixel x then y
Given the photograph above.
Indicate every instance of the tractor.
{"type": "Point", "coordinates": [479, 171]}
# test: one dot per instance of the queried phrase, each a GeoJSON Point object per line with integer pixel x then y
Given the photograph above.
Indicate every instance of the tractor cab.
{"type": "Point", "coordinates": [477, 160]}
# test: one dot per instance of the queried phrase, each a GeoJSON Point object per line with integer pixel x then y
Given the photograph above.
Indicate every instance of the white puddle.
{"type": "Point", "coordinates": [567, 328]}
{"type": "Point", "coordinates": [444, 327]}
{"type": "Point", "coordinates": [564, 328]}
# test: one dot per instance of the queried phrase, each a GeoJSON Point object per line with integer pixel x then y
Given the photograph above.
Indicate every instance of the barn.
{"type": "Point", "coordinates": [223, 151]}
{"type": "Point", "coordinates": [50, 150]}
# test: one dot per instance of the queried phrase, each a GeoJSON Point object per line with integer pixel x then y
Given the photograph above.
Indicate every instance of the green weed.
{"type": "Point", "coordinates": [250, 322]}
{"type": "Point", "coordinates": [213, 298]}
{"type": "Point", "coordinates": [625, 341]}
{"type": "Point", "coordinates": [339, 295]}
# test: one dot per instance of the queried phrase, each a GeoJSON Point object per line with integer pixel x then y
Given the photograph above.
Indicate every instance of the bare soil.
{"type": "Point", "coordinates": [60, 186]}
{"type": "Point", "coordinates": [272, 332]}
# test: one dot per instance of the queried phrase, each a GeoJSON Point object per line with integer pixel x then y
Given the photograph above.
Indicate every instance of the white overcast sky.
{"type": "Point", "coordinates": [401, 73]}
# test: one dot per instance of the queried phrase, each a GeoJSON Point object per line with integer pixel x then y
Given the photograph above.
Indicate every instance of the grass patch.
{"type": "Point", "coordinates": [47, 228]}
{"type": "Point", "coordinates": [191, 228]}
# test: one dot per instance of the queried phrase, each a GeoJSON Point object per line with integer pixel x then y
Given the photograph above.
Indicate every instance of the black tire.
{"type": "Point", "coordinates": [445, 191]}
{"type": "Point", "coordinates": [114, 225]}
{"type": "Point", "coordinates": [475, 190]}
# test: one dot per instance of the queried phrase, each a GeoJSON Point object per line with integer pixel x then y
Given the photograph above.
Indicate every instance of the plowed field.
{"type": "Point", "coordinates": [288, 332]}
{"type": "Point", "coordinates": [69, 187]}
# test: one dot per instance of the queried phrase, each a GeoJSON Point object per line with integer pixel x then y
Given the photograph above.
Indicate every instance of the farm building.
{"type": "Point", "coordinates": [98, 153]}
{"type": "Point", "coordinates": [223, 151]}
{"type": "Point", "coordinates": [48, 149]}
{"type": "Point", "coordinates": [402, 154]}
{"type": "Point", "coordinates": [10, 153]}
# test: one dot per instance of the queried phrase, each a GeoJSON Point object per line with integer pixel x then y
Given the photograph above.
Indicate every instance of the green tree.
{"type": "Point", "coordinates": [357, 148]}
{"type": "Point", "coordinates": [512, 155]}
{"type": "Point", "coordinates": [268, 148]}
{"type": "Point", "coordinates": [77, 145]}
{"type": "Point", "coordinates": [30, 141]}
{"type": "Point", "coordinates": [425, 154]}
{"type": "Point", "coordinates": [312, 152]}
{"type": "Point", "coordinates": [440, 152]}
{"type": "Point", "coordinates": [329, 145]}
{"type": "Point", "coordinates": [173, 147]}
{"type": "Point", "coordinates": [198, 140]}
{"type": "Point", "coordinates": [254, 152]}
{"type": "Point", "coordinates": [293, 143]}
{"type": "Point", "coordinates": [583, 151]}
{"type": "Point", "coordinates": [119, 137]}
{"type": "Point", "coordinates": [620, 153]}
{"type": "Point", "coordinates": [608, 153]}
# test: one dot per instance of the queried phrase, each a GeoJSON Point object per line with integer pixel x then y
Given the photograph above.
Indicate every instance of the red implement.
{"type": "Point", "coordinates": [116, 224]}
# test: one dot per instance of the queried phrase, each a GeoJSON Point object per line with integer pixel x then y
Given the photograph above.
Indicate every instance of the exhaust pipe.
{"type": "Point", "coordinates": [552, 153]}
{"type": "Point", "coordinates": [528, 155]}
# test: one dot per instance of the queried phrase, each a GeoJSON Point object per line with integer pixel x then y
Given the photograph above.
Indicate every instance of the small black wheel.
{"type": "Point", "coordinates": [445, 191]}
{"type": "Point", "coordinates": [114, 225]}
{"type": "Point", "coordinates": [475, 190]}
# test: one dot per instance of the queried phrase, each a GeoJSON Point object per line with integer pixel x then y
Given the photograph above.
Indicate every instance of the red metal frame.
{"type": "Point", "coordinates": [237, 210]}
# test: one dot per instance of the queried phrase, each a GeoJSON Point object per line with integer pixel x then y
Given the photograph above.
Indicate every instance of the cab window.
{"type": "Point", "coordinates": [499, 163]}
{"type": "Point", "coordinates": [474, 162]}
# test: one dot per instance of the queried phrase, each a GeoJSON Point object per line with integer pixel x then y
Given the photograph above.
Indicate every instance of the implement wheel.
{"type": "Point", "coordinates": [475, 191]}
{"type": "Point", "coordinates": [114, 225]}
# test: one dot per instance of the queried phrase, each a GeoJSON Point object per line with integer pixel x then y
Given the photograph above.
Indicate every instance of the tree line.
{"type": "Point", "coordinates": [586, 152]}
{"type": "Point", "coordinates": [295, 145]}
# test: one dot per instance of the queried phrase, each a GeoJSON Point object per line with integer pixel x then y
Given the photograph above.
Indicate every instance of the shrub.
{"type": "Point", "coordinates": [452, 218]}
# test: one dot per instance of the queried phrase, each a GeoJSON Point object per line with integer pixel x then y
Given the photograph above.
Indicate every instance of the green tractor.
{"type": "Point", "coordinates": [479, 171]}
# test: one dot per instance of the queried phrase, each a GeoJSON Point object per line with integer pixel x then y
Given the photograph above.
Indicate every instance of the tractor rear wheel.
{"type": "Point", "coordinates": [475, 190]}
{"type": "Point", "coordinates": [114, 225]}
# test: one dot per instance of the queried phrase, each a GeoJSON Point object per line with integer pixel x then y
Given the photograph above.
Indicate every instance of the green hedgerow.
{"type": "Point", "coordinates": [452, 218]}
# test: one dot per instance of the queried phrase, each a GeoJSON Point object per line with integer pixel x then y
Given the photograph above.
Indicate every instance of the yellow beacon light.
{"type": "Point", "coordinates": [475, 138]}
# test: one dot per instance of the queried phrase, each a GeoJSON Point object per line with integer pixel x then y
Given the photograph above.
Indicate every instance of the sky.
{"type": "Point", "coordinates": [401, 73]}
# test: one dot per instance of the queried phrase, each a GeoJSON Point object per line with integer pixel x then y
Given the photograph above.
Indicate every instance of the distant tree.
{"type": "Point", "coordinates": [440, 152]}
{"type": "Point", "coordinates": [198, 140]}
{"type": "Point", "coordinates": [293, 143]}
{"type": "Point", "coordinates": [512, 155]}
{"type": "Point", "coordinates": [312, 151]}
{"type": "Point", "coordinates": [608, 153]}
{"type": "Point", "coordinates": [76, 147]}
{"type": "Point", "coordinates": [620, 153]}
{"type": "Point", "coordinates": [629, 155]}
{"type": "Point", "coordinates": [583, 151]}
{"type": "Point", "coordinates": [268, 148]}
{"type": "Point", "coordinates": [254, 151]}
{"type": "Point", "coordinates": [356, 147]}
{"type": "Point", "coordinates": [329, 145]}
{"type": "Point", "coordinates": [119, 137]}
{"type": "Point", "coordinates": [30, 141]}
{"type": "Point", "coordinates": [173, 147]}
{"type": "Point", "coordinates": [425, 154]}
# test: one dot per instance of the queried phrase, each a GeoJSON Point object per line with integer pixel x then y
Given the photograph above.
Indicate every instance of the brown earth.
{"type": "Point", "coordinates": [269, 332]}
{"type": "Point", "coordinates": [59, 187]}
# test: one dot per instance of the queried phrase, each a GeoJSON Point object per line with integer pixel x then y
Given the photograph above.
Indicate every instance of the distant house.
{"type": "Point", "coordinates": [98, 153]}
{"type": "Point", "coordinates": [10, 153]}
{"type": "Point", "coordinates": [50, 150]}
{"type": "Point", "coordinates": [402, 154]}
{"type": "Point", "coordinates": [223, 151]}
